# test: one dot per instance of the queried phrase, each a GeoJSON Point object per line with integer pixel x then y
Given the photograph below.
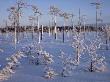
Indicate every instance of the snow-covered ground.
{"type": "Point", "coordinates": [27, 72]}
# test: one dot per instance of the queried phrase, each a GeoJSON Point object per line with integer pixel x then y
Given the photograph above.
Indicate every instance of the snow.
{"type": "Point", "coordinates": [28, 72]}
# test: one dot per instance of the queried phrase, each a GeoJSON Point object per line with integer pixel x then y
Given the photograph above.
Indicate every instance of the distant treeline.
{"type": "Point", "coordinates": [46, 28]}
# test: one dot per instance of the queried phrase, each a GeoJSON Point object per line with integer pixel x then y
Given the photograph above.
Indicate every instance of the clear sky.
{"type": "Point", "coordinates": [65, 5]}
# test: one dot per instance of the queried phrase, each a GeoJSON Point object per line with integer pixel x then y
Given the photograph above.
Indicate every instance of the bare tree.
{"type": "Point", "coordinates": [54, 11]}
{"type": "Point", "coordinates": [72, 19]}
{"type": "Point", "coordinates": [98, 6]}
{"type": "Point", "coordinates": [49, 28]}
{"type": "Point", "coordinates": [14, 16]}
{"type": "Point", "coordinates": [37, 14]}
{"type": "Point", "coordinates": [32, 20]}
{"type": "Point", "coordinates": [65, 17]}
{"type": "Point", "coordinates": [83, 20]}
{"type": "Point", "coordinates": [42, 31]}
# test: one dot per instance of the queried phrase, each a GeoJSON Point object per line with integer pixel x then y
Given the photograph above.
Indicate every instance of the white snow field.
{"type": "Point", "coordinates": [28, 72]}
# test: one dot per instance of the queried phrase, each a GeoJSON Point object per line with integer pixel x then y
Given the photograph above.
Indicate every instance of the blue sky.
{"type": "Point", "coordinates": [65, 5]}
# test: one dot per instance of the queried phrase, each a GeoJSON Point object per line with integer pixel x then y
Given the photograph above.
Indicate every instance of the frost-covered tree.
{"type": "Point", "coordinates": [36, 54]}
{"type": "Point", "coordinates": [19, 55]}
{"type": "Point", "coordinates": [33, 53]}
{"type": "Point", "coordinates": [40, 57]}
{"type": "Point", "coordinates": [3, 77]}
{"type": "Point", "coordinates": [48, 60]}
{"type": "Point", "coordinates": [97, 62]}
{"type": "Point", "coordinates": [105, 36]}
{"type": "Point", "coordinates": [49, 73]}
{"type": "Point", "coordinates": [6, 72]}
{"type": "Point", "coordinates": [78, 44]}
{"type": "Point", "coordinates": [28, 50]}
{"type": "Point", "coordinates": [13, 59]}
{"type": "Point", "coordinates": [68, 64]}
